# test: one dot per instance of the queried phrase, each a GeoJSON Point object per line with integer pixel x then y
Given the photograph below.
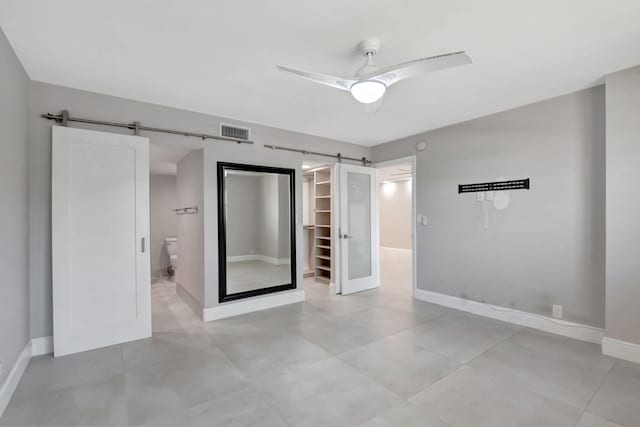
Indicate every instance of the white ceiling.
{"type": "Point", "coordinates": [219, 57]}
{"type": "Point", "coordinates": [399, 172]}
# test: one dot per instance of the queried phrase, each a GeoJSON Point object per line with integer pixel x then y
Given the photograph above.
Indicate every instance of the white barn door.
{"type": "Point", "coordinates": [100, 239]}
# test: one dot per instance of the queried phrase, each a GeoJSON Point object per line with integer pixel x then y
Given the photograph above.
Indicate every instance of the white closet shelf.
{"type": "Point", "coordinates": [323, 210]}
{"type": "Point", "coordinates": [323, 237]}
{"type": "Point", "coordinates": [323, 257]}
{"type": "Point", "coordinates": [321, 267]}
{"type": "Point", "coordinates": [323, 197]}
{"type": "Point", "coordinates": [323, 182]}
{"type": "Point", "coordinates": [323, 246]}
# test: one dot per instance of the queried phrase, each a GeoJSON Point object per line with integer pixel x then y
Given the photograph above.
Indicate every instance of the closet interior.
{"type": "Point", "coordinates": [318, 219]}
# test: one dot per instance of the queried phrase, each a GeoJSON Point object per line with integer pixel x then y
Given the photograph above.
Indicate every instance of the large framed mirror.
{"type": "Point", "coordinates": [256, 230]}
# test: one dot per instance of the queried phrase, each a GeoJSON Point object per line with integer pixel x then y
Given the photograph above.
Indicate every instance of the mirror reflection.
{"type": "Point", "coordinates": [257, 231]}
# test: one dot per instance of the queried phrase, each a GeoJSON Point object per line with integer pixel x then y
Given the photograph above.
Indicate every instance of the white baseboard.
{"type": "Point", "coordinates": [42, 345]}
{"type": "Point", "coordinates": [621, 349]}
{"type": "Point", "coordinates": [252, 304]}
{"type": "Point", "coordinates": [11, 382]}
{"type": "Point", "coordinates": [189, 299]}
{"type": "Point", "coordinates": [522, 318]}
{"type": "Point", "coordinates": [35, 347]}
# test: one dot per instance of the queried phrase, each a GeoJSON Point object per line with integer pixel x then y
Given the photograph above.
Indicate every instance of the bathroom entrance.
{"type": "Point", "coordinates": [175, 211]}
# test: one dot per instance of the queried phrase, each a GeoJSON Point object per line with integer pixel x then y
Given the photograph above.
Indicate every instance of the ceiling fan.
{"type": "Point", "coordinates": [370, 83]}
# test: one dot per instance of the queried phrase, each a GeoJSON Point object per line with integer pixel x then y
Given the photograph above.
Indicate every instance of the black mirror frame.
{"type": "Point", "coordinates": [223, 296]}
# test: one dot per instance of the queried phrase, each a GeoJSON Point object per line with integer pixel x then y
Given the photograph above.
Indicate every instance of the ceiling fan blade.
{"type": "Point", "coordinates": [373, 107]}
{"type": "Point", "coordinates": [336, 82]}
{"type": "Point", "coordinates": [394, 74]}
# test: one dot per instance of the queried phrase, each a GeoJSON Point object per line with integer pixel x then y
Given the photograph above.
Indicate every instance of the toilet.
{"type": "Point", "coordinates": [171, 243]}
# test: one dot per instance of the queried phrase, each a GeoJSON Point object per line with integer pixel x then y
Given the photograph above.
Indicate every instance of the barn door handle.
{"type": "Point", "coordinates": [142, 245]}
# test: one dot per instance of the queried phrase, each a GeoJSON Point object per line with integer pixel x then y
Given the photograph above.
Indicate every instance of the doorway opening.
{"type": "Point", "coordinates": [175, 210]}
{"type": "Point", "coordinates": [396, 226]}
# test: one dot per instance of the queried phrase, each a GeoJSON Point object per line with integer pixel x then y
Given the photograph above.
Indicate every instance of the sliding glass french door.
{"type": "Point", "coordinates": [358, 228]}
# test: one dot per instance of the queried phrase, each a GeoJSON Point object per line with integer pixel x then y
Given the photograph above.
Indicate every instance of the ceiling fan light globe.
{"type": "Point", "coordinates": [368, 92]}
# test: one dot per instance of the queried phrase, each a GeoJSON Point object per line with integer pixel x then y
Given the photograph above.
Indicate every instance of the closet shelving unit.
{"type": "Point", "coordinates": [309, 224]}
{"type": "Point", "coordinates": [322, 250]}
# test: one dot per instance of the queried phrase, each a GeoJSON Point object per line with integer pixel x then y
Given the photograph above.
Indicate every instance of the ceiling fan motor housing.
{"type": "Point", "coordinates": [370, 46]}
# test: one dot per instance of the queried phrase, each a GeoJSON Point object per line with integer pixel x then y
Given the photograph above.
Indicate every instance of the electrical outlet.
{"type": "Point", "coordinates": [557, 311]}
{"type": "Point", "coordinates": [480, 196]}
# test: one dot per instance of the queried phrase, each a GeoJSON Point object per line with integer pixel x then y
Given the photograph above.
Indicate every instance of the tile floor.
{"type": "Point", "coordinates": [377, 358]}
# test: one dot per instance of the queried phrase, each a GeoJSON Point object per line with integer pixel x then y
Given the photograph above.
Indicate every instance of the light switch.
{"type": "Point", "coordinates": [424, 220]}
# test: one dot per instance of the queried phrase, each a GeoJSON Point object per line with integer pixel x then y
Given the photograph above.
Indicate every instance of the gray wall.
{"type": "Point", "coordinates": [14, 224]}
{"type": "Point", "coordinates": [163, 221]}
{"type": "Point", "coordinates": [548, 246]}
{"type": "Point", "coordinates": [623, 205]}
{"type": "Point", "coordinates": [190, 272]}
{"type": "Point", "coordinates": [395, 215]}
{"type": "Point", "coordinates": [50, 98]}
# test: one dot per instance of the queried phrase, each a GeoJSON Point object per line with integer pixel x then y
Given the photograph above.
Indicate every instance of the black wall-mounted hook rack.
{"type": "Point", "coordinates": [518, 184]}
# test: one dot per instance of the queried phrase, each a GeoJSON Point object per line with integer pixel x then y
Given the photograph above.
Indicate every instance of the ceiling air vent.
{"type": "Point", "coordinates": [235, 132]}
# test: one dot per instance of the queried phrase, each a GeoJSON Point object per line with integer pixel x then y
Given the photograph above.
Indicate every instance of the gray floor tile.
{"type": "Point", "coordinates": [337, 337]}
{"type": "Point", "coordinates": [461, 336]}
{"type": "Point", "coordinates": [590, 420]}
{"type": "Point", "coordinates": [567, 370]}
{"type": "Point", "coordinates": [358, 328]}
{"type": "Point", "coordinates": [399, 364]}
{"type": "Point", "coordinates": [46, 373]}
{"type": "Point", "coordinates": [618, 399]}
{"type": "Point", "coordinates": [166, 346]}
{"type": "Point", "coordinates": [170, 312]}
{"type": "Point", "coordinates": [277, 369]}
{"type": "Point", "coordinates": [584, 354]}
{"type": "Point", "coordinates": [88, 404]}
{"type": "Point", "coordinates": [327, 393]}
{"type": "Point", "coordinates": [470, 398]}
{"type": "Point", "coordinates": [245, 408]}
{"type": "Point", "coordinates": [265, 322]}
{"type": "Point", "coordinates": [339, 306]}
{"type": "Point", "coordinates": [406, 414]}
{"type": "Point", "coordinates": [174, 318]}
{"type": "Point", "coordinates": [178, 385]}
{"type": "Point", "coordinates": [256, 355]}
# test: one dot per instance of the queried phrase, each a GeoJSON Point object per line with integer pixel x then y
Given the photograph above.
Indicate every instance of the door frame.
{"type": "Point", "coordinates": [414, 236]}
